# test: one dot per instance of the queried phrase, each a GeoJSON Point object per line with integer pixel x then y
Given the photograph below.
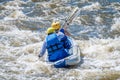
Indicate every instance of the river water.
{"type": "Point", "coordinates": [22, 30]}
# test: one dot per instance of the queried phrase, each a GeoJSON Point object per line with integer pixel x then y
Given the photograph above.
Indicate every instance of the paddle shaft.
{"type": "Point", "coordinates": [69, 20]}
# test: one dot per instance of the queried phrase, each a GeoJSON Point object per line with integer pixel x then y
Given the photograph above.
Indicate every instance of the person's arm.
{"type": "Point", "coordinates": [43, 50]}
{"type": "Point", "coordinates": [60, 35]}
{"type": "Point", "coordinates": [64, 31]}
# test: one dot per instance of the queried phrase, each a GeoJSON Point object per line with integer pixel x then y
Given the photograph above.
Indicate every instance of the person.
{"type": "Point", "coordinates": [65, 41]}
{"type": "Point", "coordinates": [58, 46]}
{"type": "Point", "coordinates": [54, 46]}
{"type": "Point", "coordinates": [73, 49]}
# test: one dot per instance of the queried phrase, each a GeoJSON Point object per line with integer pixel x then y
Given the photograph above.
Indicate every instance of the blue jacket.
{"type": "Point", "coordinates": [65, 41]}
{"type": "Point", "coordinates": [55, 48]}
{"type": "Point", "coordinates": [60, 35]}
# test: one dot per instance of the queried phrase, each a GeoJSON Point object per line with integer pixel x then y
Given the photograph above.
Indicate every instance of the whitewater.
{"type": "Point", "coordinates": [96, 30]}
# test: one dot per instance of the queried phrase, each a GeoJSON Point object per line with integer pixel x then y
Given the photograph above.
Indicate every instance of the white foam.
{"type": "Point", "coordinates": [94, 6]}
{"type": "Point", "coordinates": [98, 19]}
{"type": "Point", "coordinates": [116, 25]}
{"type": "Point", "coordinates": [15, 15]}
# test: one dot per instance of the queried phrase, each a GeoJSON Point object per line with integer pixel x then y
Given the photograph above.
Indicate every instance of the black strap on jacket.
{"type": "Point", "coordinates": [54, 47]}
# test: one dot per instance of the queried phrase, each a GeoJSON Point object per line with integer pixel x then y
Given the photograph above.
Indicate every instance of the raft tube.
{"type": "Point", "coordinates": [72, 60]}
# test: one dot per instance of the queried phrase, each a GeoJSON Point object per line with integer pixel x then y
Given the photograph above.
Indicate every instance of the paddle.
{"type": "Point", "coordinates": [69, 20]}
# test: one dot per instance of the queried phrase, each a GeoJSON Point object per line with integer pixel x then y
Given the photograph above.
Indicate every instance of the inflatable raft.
{"type": "Point", "coordinates": [73, 59]}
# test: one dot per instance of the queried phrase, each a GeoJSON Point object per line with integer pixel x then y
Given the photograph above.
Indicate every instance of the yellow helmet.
{"type": "Point", "coordinates": [50, 30]}
{"type": "Point", "coordinates": [55, 25]}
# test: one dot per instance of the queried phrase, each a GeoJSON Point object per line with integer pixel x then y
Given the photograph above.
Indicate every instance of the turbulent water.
{"type": "Point", "coordinates": [22, 30]}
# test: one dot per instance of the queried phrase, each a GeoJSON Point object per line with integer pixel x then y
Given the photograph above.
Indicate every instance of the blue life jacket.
{"type": "Point", "coordinates": [65, 41]}
{"type": "Point", "coordinates": [55, 48]}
